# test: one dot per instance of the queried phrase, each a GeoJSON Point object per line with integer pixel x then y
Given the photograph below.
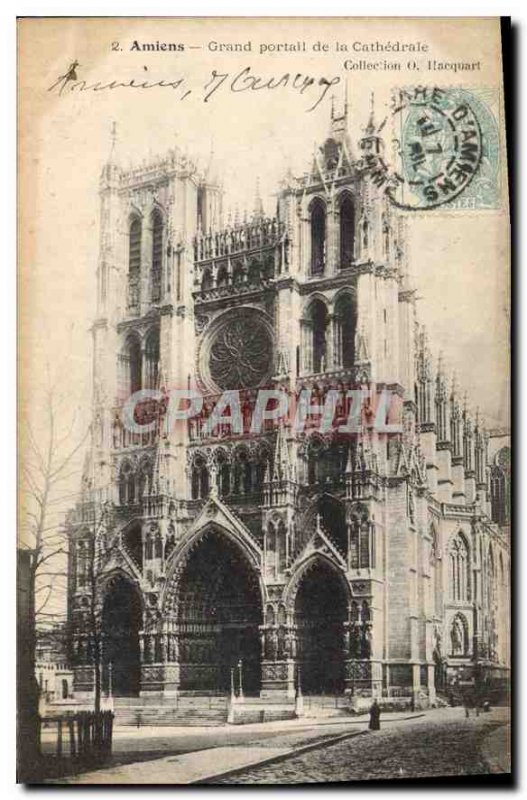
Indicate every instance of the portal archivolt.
{"type": "Point", "coordinates": [218, 612]}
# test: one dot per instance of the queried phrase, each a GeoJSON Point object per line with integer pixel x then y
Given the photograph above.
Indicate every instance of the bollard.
{"type": "Point", "coordinates": [71, 729]}
{"type": "Point", "coordinates": [59, 738]}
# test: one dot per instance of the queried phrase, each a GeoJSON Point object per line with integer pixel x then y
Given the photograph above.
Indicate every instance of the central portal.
{"type": "Point", "coordinates": [219, 612]}
{"type": "Point", "coordinates": [321, 609]}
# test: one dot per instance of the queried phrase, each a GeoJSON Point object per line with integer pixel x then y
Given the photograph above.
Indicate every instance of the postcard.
{"type": "Point", "coordinates": [264, 400]}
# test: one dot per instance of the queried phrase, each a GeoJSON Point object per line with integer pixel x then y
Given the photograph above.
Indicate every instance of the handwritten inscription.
{"type": "Point", "coordinates": [217, 83]}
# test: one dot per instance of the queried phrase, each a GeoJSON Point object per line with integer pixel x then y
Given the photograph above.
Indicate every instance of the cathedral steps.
{"type": "Point", "coordinates": [151, 716]}
{"type": "Point", "coordinates": [193, 710]}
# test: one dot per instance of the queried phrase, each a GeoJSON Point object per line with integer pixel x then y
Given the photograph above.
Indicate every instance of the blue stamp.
{"type": "Point", "coordinates": [447, 149]}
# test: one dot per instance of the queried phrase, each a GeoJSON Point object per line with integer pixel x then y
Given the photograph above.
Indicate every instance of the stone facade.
{"type": "Point", "coordinates": [362, 564]}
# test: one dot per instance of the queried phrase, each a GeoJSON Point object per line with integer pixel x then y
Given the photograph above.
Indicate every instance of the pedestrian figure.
{"type": "Point", "coordinates": [375, 716]}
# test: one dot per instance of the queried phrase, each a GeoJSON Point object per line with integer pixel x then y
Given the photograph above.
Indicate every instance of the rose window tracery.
{"type": "Point", "coordinates": [241, 351]}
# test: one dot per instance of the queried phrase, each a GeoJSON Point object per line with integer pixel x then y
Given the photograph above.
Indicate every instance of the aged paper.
{"type": "Point", "coordinates": [264, 400]}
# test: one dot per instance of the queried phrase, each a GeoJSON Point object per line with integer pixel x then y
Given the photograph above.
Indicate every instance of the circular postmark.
{"type": "Point", "coordinates": [438, 146]}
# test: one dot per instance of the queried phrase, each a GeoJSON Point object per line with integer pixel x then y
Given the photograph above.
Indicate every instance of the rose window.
{"type": "Point", "coordinates": [241, 351]}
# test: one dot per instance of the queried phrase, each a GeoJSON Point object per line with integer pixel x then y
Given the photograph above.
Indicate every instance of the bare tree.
{"type": "Point", "coordinates": [49, 466]}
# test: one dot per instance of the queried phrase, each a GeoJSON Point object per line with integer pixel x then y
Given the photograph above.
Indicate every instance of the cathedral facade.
{"type": "Point", "coordinates": [370, 563]}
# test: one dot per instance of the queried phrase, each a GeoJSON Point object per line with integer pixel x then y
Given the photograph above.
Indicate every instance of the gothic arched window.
{"type": "Point", "coordinates": [126, 484]}
{"type": "Point", "coordinates": [345, 322]}
{"type": "Point", "coordinates": [157, 255]}
{"type": "Point", "coordinates": [224, 475]}
{"type": "Point", "coordinates": [317, 324]}
{"type": "Point", "coordinates": [361, 541]}
{"type": "Point", "coordinates": [134, 357]}
{"type": "Point", "coordinates": [347, 231]}
{"type": "Point", "coordinates": [458, 560]}
{"type": "Point", "coordinates": [315, 451]}
{"type": "Point", "coordinates": [152, 359]}
{"type": "Point", "coordinates": [144, 479]}
{"type": "Point", "coordinates": [246, 473]}
{"type": "Point", "coordinates": [134, 262]}
{"type": "Point", "coordinates": [200, 479]}
{"type": "Point", "coordinates": [498, 495]}
{"type": "Point", "coordinates": [318, 237]}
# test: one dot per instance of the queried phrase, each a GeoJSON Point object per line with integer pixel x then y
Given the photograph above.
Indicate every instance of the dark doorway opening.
{"type": "Point", "coordinates": [219, 612]}
{"type": "Point", "coordinates": [121, 623]}
{"type": "Point", "coordinates": [321, 609]}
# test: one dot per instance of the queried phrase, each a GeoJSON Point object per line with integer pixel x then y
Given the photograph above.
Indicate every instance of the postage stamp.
{"type": "Point", "coordinates": [446, 149]}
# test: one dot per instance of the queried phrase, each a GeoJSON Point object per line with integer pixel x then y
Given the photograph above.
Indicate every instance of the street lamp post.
{"type": "Point", "coordinates": [232, 701]}
{"type": "Point", "coordinates": [299, 698]}
{"type": "Point", "coordinates": [240, 679]}
{"type": "Point", "coordinates": [233, 691]}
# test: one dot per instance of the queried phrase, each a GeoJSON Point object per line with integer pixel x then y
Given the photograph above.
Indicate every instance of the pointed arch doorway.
{"type": "Point", "coordinates": [121, 623]}
{"type": "Point", "coordinates": [321, 611]}
{"type": "Point", "coordinates": [219, 612]}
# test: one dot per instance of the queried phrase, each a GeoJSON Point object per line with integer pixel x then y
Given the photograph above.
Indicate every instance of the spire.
{"type": "Point", "coordinates": [455, 388]}
{"type": "Point", "coordinates": [423, 354]}
{"type": "Point", "coordinates": [111, 170]}
{"type": "Point", "coordinates": [440, 367]}
{"type": "Point", "coordinates": [339, 122]}
{"type": "Point", "coordinates": [441, 382]}
{"type": "Point", "coordinates": [371, 143]}
{"type": "Point", "coordinates": [281, 467]}
{"type": "Point", "coordinates": [258, 204]}
{"type": "Point", "coordinates": [158, 482]}
{"type": "Point", "coordinates": [113, 141]}
{"type": "Point", "coordinates": [370, 127]}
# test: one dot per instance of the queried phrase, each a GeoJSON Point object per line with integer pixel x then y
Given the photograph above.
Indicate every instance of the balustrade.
{"type": "Point", "coordinates": [254, 235]}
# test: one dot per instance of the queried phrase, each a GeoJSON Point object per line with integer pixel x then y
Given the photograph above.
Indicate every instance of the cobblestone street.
{"type": "Point", "coordinates": [433, 743]}
{"type": "Point", "coordinates": [435, 747]}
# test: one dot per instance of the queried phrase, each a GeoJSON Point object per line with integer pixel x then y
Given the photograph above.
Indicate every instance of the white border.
{"type": "Point", "coordinates": [8, 12]}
